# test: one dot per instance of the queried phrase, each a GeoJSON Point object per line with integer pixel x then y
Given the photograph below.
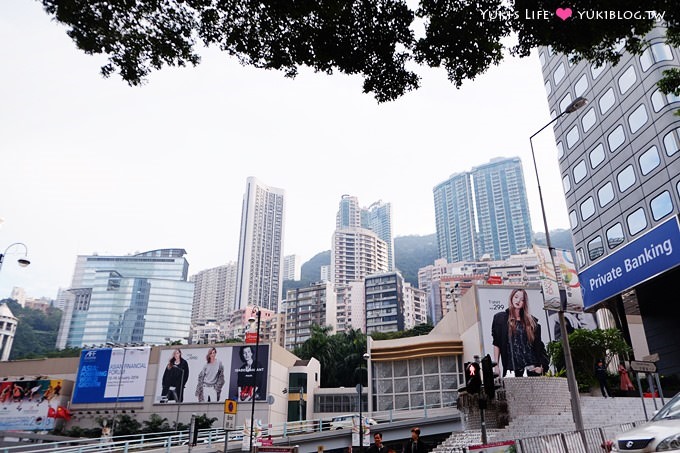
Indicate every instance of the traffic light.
{"type": "Point", "coordinates": [489, 376]}
{"type": "Point", "coordinates": [473, 378]}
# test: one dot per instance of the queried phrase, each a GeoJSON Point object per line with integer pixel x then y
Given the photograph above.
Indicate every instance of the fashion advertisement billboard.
{"type": "Point", "coordinates": [109, 375]}
{"type": "Point", "coordinates": [513, 327]}
{"type": "Point", "coordinates": [212, 374]}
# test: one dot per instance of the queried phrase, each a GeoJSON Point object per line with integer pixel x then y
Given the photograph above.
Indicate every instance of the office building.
{"type": "Point", "coordinates": [142, 298]}
{"type": "Point", "coordinates": [349, 213]}
{"type": "Point", "coordinates": [620, 168]}
{"type": "Point", "coordinates": [503, 221]}
{"type": "Point", "coordinates": [260, 251]}
{"type": "Point", "coordinates": [214, 293]}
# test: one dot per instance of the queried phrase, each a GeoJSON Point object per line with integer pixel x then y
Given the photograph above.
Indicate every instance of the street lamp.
{"type": "Point", "coordinates": [23, 261]}
{"type": "Point", "coordinates": [256, 310]}
{"type": "Point", "coordinates": [564, 338]}
{"type": "Point", "coordinates": [360, 391]}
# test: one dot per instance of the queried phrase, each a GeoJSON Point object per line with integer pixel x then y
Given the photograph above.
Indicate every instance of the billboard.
{"type": "Point", "coordinates": [110, 375]}
{"type": "Point", "coordinates": [31, 405]}
{"type": "Point", "coordinates": [212, 374]}
{"type": "Point", "coordinates": [566, 279]}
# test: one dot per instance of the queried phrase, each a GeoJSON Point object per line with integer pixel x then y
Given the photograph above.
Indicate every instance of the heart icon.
{"type": "Point", "coordinates": [563, 13]}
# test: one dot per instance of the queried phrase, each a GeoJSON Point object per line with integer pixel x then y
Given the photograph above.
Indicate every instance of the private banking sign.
{"type": "Point", "coordinates": [651, 254]}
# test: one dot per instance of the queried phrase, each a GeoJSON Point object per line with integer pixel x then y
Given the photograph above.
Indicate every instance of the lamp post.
{"type": "Point", "coordinates": [23, 261]}
{"type": "Point", "coordinates": [360, 392]}
{"type": "Point", "coordinates": [564, 338]}
{"type": "Point", "coordinates": [251, 319]}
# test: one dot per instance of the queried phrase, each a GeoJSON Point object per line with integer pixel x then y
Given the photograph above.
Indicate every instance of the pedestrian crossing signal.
{"type": "Point", "coordinates": [473, 378]}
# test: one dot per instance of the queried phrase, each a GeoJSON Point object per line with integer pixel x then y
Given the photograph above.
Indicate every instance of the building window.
{"type": "Point", "coordinates": [560, 150]}
{"type": "Point", "coordinates": [581, 86]}
{"type": "Point", "coordinates": [615, 236]}
{"type": "Point", "coordinates": [670, 143]}
{"type": "Point", "coordinates": [573, 219]}
{"type": "Point", "coordinates": [649, 160]}
{"type": "Point", "coordinates": [638, 118]}
{"type": "Point", "coordinates": [595, 71]}
{"type": "Point", "coordinates": [661, 205]}
{"type": "Point", "coordinates": [606, 194]}
{"type": "Point", "coordinates": [616, 138]}
{"type": "Point", "coordinates": [548, 88]}
{"type": "Point", "coordinates": [636, 221]}
{"type": "Point", "coordinates": [587, 209]}
{"type": "Point", "coordinates": [627, 80]}
{"type": "Point", "coordinates": [559, 73]}
{"type": "Point", "coordinates": [541, 56]}
{"type": "Point", "coordinates": [566, 184]}
{"type": "Point", "coordinates": [588, 120]}
{"type": "Point", "coordinates": [607, 100]}
{"type": "Point", "coordinates": [564, 103]}
{"type": "Point", "coordinates": [595, 248]}
{"type": "Point", "coordinates": [580, 172]}
{"type": "Point", "coordinates": [596, 156]}
{"type": "Point", "coordinates": [572, 136]}
{"type": "Point", "coordinates": [580, 257]}
{"type": "Point", "coordinates": [658, 100]}
{"type": "Point", "coordinates": [626, 178]}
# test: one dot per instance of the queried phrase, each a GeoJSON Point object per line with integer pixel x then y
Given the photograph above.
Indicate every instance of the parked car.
{"type": "Point", "coordinates": [345, 421]}
{"type": "Point", "coordinates": [661, 433]}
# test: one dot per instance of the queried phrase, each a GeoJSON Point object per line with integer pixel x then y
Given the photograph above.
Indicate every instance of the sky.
{"type": "Point", "coordinates": [92, 165]}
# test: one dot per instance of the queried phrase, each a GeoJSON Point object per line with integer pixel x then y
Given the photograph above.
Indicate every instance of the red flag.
{"type": "Point", "coordinates": [64, 413]}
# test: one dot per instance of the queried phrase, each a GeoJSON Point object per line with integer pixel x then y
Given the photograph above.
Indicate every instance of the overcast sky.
{"type": "Point", "coordinates": [92, 165]}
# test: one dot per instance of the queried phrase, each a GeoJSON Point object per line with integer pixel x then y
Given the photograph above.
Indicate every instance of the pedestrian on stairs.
{"type": "Point", "coordinates": [601, 375]}
{"type": "Point", "coordinates": [414, 444]}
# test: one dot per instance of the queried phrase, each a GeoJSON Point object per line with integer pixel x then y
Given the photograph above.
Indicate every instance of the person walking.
{"type": "Point", "coordinates": [601, 375]}
{"type": "Point", "coordinates": [378, 446]}
{"type": "Point", "coordinates": [414, 444]}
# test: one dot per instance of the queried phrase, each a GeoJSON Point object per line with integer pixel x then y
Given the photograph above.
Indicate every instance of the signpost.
{"type": "Point", "coordinates": [649, 368]}
{"type": "Point", "coordinates": [642, 367]}
{"type": "Point", "coordinates": [230, 410]}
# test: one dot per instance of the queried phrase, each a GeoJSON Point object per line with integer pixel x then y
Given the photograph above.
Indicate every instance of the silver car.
{"type": "Point", "coordinates": [661, 433]}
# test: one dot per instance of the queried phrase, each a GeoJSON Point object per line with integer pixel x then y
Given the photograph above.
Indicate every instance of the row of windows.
{"type": "Point", "coordinates": [647, 162]}
{"type": "Point", "coordinates": [653, 54]}
{"type": "Point", "coordinates": [660, 206]}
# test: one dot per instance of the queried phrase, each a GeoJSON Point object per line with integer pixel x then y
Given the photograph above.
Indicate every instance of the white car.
{"type": "Point", "coordinates": [345, 421]}
{"type": "Point", "coordinates": [661, 433]}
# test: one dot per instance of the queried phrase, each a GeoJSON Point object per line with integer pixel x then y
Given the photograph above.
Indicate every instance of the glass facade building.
{"type": "Point", "coordinates": [143, 298]}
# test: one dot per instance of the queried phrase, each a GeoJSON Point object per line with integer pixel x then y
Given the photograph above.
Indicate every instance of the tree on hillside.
{"type": "Point", "coordinates": [36, 333]}
{"type": "Point", "coordinates": [374, 39]}
{"type": "Point", "coordinates": [413, 252]}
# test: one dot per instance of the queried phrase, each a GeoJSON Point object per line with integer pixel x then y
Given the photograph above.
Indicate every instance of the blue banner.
{"type": "Point", "coordinates": [110, 375]}
{"type": "Point", "coordinates": [655, 252]}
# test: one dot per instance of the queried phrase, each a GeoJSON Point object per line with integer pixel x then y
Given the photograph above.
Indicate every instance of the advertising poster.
{"type": "Point", "coordinates": [211, 374]}
{"type": "Point", "coordinates": [494, 302]}
{"type": "Point", "coordinates": [551, 290]}
{"type": "Point", "coordinates": [566, 279]}
{"type": "Point", "coordinates": [365, 431]}
{"type": "Point", "coordinates": [30, 405]}
{"type": "Point", "coordinates": [110, 375]}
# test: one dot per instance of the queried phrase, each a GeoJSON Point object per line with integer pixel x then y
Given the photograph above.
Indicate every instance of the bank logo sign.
{"type": "Point", "coordinates": [655, 252]}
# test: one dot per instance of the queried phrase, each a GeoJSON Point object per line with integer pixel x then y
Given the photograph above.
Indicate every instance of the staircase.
{"type": "Point", "coordinates": [547, 412]}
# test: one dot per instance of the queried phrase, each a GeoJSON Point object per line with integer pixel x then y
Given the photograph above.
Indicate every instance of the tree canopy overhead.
{"type": "Point", "coordinates": [371, 38]}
